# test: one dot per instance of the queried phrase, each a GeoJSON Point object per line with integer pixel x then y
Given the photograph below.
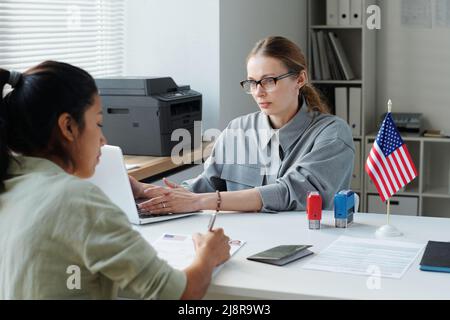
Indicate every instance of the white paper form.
{"type": "Point", "coordinates": [390, 259]}
{"type": "Point", "coordinates": [131, 166]}
{"type": "Point", "coordinates": [179, 251]}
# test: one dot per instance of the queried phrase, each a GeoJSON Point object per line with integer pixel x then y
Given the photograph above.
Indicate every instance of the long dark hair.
{"type": "Point", "coordinates": [29, 113]}
{"type": "Point", "coordinates": [294, 60]}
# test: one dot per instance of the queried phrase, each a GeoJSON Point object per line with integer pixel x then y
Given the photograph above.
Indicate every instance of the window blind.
{"type": "Point", "coordinates": [86, 33]}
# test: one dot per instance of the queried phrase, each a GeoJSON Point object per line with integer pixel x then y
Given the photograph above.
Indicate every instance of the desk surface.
{"type": "Point", "coordinates": [151, 166]}
{"type": "Point", "coordinates": [243, 278]}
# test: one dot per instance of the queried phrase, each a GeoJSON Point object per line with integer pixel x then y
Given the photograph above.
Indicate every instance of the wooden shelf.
{"type": "Point", "coordinates": [151, 166]}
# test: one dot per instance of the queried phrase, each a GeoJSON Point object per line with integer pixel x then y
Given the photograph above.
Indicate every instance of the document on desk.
{"type": "Point", "coordinates": [179, 251]}
{"type": "Point", "coordinates": [390, 259]}
{"type": "Point", "coordinates": [131, 166]}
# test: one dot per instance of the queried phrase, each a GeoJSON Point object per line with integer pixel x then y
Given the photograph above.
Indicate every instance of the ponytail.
{"type": "Point", "coordinates": [4, 150]}
{"type": "Point", "coordinates": [313, 99]}
{"type": "Point", "coordinates": [29, 113]}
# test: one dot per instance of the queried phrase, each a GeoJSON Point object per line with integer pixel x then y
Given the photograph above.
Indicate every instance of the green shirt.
{"type": "Point", "coordinates": [62, 238]}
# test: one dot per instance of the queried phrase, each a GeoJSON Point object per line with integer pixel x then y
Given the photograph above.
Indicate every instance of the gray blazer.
{"type": "Point", "coordinates": [316, 153]}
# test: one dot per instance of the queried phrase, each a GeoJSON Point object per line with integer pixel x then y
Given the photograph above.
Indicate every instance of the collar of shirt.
{"type": "Point", "coordinates": [289, 133]}
{"type": "Point", "coordinates": [20, 165]}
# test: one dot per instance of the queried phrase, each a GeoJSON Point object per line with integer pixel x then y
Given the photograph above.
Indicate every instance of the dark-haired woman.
{"type": "Point", "coordinates": [269, 160]}
{"type": "Point", "coordinates": [60, 236]}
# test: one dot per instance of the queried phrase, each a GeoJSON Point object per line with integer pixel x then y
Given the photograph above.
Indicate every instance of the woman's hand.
{"type": "Point", "coordinates": [138, 188]}
{"type": "Point", "coordinates": [172, 199]}
{"type": "Point", "coordinates": [212, 248]}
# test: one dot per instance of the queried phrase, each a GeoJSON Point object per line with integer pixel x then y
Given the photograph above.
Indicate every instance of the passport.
{"type": "Point", "coordinates": [282, 255]}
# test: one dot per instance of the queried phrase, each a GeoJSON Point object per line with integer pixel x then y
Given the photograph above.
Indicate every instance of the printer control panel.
{"type": "Point", "coordinates": [178, 94]}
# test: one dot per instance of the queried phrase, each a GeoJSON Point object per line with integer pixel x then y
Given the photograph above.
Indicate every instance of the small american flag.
{"type": "Point", "coordinates": [389, 164]}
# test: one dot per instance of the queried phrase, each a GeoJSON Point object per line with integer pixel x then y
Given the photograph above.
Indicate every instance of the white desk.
{"type": "Point", "coordinates": [241, 278]}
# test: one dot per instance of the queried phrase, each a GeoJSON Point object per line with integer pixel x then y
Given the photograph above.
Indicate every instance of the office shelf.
{"type": "Point", "coordinates": [325, 27]}
{"type": "Point", "coordinates": [436, 169]}
{"type": "Point", "coordinates": [338, 82]}
{"type": "Point", "coordinates": [407, 193]}
{"type": "Point", "coordinates": [412, 137]}
{"type": "Point", "coordinates": [359, 44]}
{"type": "Point", "coordinates": [431, 157]}
{"type": "Point", "coordinates": [436, 207]}
{"type": "Point", "coordinates": [437, 192]}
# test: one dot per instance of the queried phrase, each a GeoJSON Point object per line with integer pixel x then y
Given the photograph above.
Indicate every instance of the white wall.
{"type": "Point", "coordinates": [242, 24]}
{"type": "Point", "coordinates": [204, 43]}
{"type": "Point", "coordinates": [413, 68]}
{"type": "Point", "coordinates": [179, 39]}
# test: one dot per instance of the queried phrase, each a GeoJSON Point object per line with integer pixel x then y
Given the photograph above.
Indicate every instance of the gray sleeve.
{"type": "Point", "coordinates": [209, 180]}
{"type": "Point", "coordinates": [326, 169]}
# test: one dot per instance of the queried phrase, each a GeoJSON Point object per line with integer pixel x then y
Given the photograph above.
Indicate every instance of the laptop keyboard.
{"type": "Point", "coordinates": [146, 215]}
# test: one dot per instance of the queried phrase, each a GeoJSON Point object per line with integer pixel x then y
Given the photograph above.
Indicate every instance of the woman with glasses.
{"type": "Point", "coordinates": [269, 160]}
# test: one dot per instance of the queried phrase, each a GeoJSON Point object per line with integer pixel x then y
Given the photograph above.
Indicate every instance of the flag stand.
{"type": "Point", "coordinates": [388, 230]}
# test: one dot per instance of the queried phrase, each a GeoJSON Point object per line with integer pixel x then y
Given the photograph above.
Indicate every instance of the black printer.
{"type": "Point", "coordinates": [140, 114]}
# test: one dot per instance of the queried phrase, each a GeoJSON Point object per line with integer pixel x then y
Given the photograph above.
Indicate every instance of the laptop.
{"type": "Point", "coordinates": [112, 178]}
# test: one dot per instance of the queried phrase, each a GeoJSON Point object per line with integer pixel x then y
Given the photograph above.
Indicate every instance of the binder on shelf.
{"type": "Point", "coordinates": [356, 12]}
{"type": "Point", "coordinates": [356, 176]}
{"type": "Point", "coordinates": [344, 12]}
{"type": "Point", "coordinates": [324, 65]}
{"type": "Point", "coordinates": [341, 103]}
{"type": "Point", "coordinates": [315, 54]}
{"type": "Point", "coordinates": [336, 73]}
{"type": "Point", "coordinates": [342, 58]}
{"type": "Point", "coordinates": [330, 59]}
{"type": "Point", "coordinates": [355, 100]}
{"type": "Point", "coordinates": [332, 12]}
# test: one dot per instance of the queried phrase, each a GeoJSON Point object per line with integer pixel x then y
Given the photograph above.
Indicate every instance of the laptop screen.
{"type": "Point", "coordinates": [112, 178]}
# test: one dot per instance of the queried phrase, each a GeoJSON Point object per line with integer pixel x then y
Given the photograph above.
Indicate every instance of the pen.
{"type": "Point", "coordinates": [211, 221]}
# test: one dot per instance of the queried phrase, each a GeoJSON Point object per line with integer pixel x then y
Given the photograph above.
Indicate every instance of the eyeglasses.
{"type": "Point", "coordinates": [268, 84]}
